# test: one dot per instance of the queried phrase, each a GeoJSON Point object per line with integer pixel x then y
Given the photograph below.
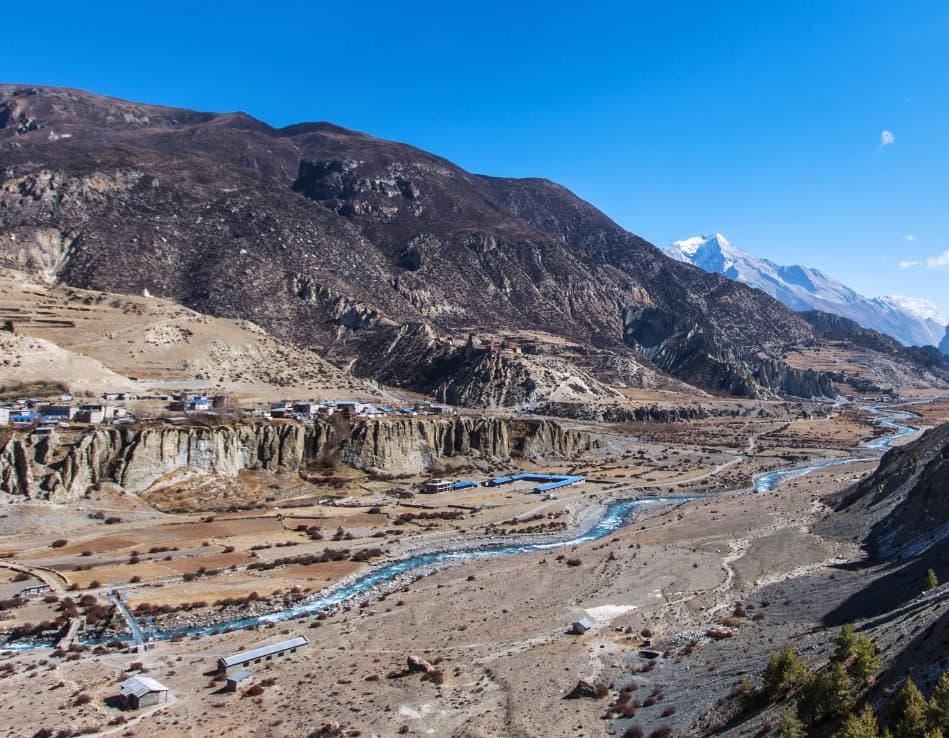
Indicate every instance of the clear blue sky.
{"type": "Point", "coordinates": [759, 120]}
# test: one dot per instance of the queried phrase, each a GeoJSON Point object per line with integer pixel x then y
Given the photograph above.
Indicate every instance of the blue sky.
{"type": "Point", "coordinates": [762, 121]}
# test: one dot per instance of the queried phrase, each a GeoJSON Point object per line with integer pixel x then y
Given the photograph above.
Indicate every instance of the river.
{"type": "Point", "coordinates": [615, 515]}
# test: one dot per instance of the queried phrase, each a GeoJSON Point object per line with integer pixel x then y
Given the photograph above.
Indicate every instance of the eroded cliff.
{"type": "Point", "coordinates": [63, 467]}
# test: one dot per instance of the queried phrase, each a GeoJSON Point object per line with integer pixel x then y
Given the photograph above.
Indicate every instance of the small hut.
{"type": "Point", "coordinates": [141, 691]}
{"type": "Point", "coordinates": [238, 679]}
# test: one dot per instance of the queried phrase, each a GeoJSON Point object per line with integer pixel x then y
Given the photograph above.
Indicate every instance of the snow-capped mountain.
{"type": "Point", "coordinates": [944, 346]}
{"type": "Point", "coordinates": [910, 320]}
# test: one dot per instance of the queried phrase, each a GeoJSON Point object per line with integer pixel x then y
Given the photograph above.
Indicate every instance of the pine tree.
{"type": "Point", "coordinates": [790, 726]}
{"type": "Point", "coordinates": [932, 581]}
{"type": "Point", "coordinates": [845, 644]}
{"type": "Point", "coordinates": [939, 704]}
{"type": "Point", "coordinates": [866, 662]}
{"type": "Point", "coordinates": [908, 712]}
{"type": "Point", "coordinates": [811, 705]}
{"type": "Point", "coordinates": [785, 671]}
{"type": "Point", "coordinates": [862, 725]}
{"type": "Point", "coordinates": [840, 697]}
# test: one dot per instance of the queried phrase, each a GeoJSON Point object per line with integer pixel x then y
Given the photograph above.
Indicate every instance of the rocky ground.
{"type": "Point", "coordinates": [763, 566]}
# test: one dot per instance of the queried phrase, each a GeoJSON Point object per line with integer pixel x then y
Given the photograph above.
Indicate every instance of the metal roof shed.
{"type": "Point", "coordinates": [262, 653]}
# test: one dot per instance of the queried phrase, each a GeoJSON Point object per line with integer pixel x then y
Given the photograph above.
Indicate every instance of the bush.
{"type": "Point", "coordinates": [59, 543]}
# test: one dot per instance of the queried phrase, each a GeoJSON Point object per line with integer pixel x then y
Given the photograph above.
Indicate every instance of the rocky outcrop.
{"type": "Point", "coordinates": [16, 473]}
{"type": "Point", "coordinates": [623, 414]}
{"type": "Point", "coordinates": [491, 381]}
{"type": "Point", "coordinates": [137, 458]}
{"type": "Point", "coordinates": [944, 344]}
{"type": "Point", "coordinates": [222, 450]}
{"type": "Point", "coordinates": [412, 444]}
{"type": "Point", "coordinates": [703, 357]}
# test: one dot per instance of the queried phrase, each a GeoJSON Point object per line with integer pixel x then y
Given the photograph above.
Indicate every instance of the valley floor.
{"type": "Point", "coordinates": [495, 628]}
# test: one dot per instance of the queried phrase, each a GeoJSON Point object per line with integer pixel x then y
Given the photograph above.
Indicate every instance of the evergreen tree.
{"type": "Point", "coordinates": [844, 644]}
{"type": "Point", "coordinates": [840, 692]}
{"type": "Point", "coordinates": [785, 671]}
{"type": "Point", "coordinates": [790, 726]}
{"type": "Point", "coordinates": [932, 581]}
{"type": "Point", "coordinates": [862, 725]}
{"type": "Point", "coordinates": [939, 705]}
{"type": "Point", "coordinates": [811, 706]}
{"type": "Point", "coordinates": [866, 662]}
{"type": "Point", "coordinates": [908, 712]}
{"type": "Point", "coordinates": [829, 694]}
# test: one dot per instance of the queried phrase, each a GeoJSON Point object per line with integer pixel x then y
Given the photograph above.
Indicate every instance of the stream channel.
{"type": "Point", "coordinates": [615, 515]}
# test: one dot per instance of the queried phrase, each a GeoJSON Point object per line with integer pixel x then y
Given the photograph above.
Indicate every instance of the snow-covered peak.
{"type": "Point", "coordinates": [911, 320]}
{"type": "Point", "coordinates": [690, 246]}
{"type": "Point", "coordinates": [917, 307]}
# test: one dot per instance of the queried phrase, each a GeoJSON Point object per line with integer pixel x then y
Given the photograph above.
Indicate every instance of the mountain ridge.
{"type": "Point", "coordinates": [332, 238]}
{"type": "Point", "coordinates": [912, 321]}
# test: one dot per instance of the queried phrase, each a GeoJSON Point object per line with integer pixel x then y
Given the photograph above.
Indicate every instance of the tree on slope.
{"type": "Point", "coordinates": [828, 694]}
{"type": "Point", "coordinates": [908, 712]}
{"type": "Point", "coordinates": [939, 705]}
{"type": "Point", "coordinates": [866, 660]}
{"type": "Point", "coordinates": [860, 725]}
{"type": "Point", "coordinates": [790, 726]}
{"type": "Point", "coordinates": [785, 671]}
{"type": "Point", "coordinates": [844, 644]}
{"type": "Point", "coordinates": [932, 581]}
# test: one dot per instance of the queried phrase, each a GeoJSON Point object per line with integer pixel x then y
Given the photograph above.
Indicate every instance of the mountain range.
{"type": "Point", "coordinates": [912, 321]}
{"type": "Point", "coordinates": [387, 260]}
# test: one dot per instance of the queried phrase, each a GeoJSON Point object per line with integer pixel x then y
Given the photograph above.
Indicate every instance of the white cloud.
{"type": "Point", "coordinates": [909, 264]}
{"type": "Point", "coordinates": [887, 138]}
{"type": "Point", "coordinates": [910, 237]}
{"type": "Point", "coordinates": [939, 261]}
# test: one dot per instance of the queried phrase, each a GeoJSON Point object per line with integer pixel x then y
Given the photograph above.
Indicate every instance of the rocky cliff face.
{"type": "Point", "coordinates": [702, 356]}
{"type": "Point", "coordinates": [334, 239]}
{"type": "Point", "coordinates": [412, 444]}
{"type": "Point", "coordinates": [944, 345]}
{"type": "Point", "coordinates": [137, 458]}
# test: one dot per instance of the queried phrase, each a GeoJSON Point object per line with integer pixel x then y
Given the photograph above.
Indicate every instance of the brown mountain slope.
{"type": "Point", "coordinates": [327, 237]}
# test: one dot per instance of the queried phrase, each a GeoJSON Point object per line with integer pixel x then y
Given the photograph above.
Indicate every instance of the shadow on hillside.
{"type": "Point", "coordinates": [888, 593]}
{"type": "Point", "coordinates": [928, 648]}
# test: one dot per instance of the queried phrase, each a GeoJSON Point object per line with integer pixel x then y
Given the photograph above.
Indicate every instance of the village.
{"type": "Point", "coordinates": [42, 415]}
